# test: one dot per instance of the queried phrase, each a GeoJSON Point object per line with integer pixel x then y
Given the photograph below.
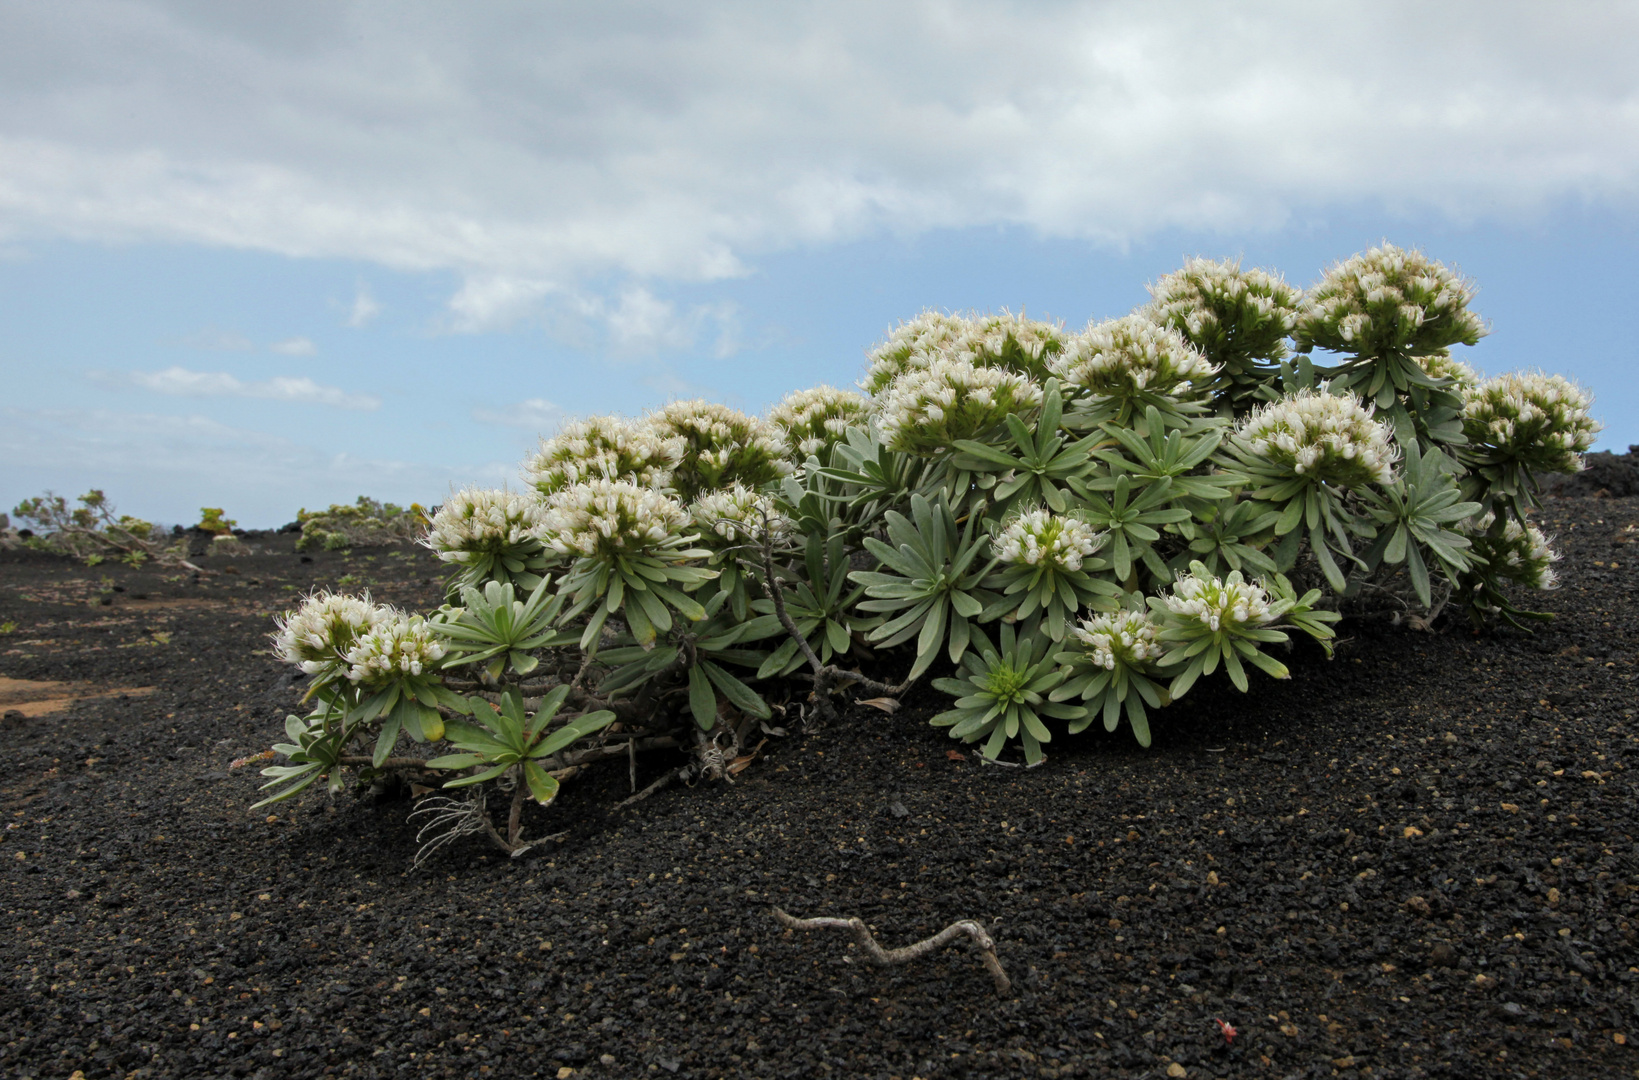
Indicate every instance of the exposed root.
{"type": "Point", "coordinates": [862, 934]}
{"type": "Point", "coordinates": [450, 820]}
{"type": "Point", "coordinates": [681, 773]}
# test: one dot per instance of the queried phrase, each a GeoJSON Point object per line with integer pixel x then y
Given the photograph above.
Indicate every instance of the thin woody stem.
{"type": "Point", "coordinates": [982, 943]}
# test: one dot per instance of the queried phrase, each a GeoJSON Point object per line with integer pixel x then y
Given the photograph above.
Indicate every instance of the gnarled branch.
{"type": "Point", "coordinates": [862, 934]}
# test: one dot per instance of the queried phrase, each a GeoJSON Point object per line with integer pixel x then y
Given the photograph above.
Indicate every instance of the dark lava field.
{"type": "Point", "coordinates": [1418, 859]}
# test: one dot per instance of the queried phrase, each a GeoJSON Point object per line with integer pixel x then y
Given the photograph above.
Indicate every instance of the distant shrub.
{"type": "Point", "coordinates": [366, 523]}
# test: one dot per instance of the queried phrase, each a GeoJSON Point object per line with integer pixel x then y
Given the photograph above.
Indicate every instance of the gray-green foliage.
{"type": "Point", "coordinates": [1159, 499]}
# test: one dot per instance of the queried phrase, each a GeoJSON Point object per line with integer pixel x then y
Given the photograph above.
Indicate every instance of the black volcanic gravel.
{"type": "Point", "coordinates": [1418, 859]}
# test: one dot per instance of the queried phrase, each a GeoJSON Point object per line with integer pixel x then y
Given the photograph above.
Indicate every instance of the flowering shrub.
{"type": "Point", "coordinates": [719, 447]}
{"type": "Point", "coordinates": [367, 523]}
{"type": "Point", "coordinates": [928, 410]}
{"type": "Point", "coordinates": [815, 420]}
{"type": "Point", "coordinates": [490, 534]}
{"type": "Point", "coordinates": [1238, 319]}
{"type": "Point", "coordinates": [1007, 341]}
{"type": "Point", "coordinates": [1131, 363]}
{"type": "Point", "coordinates": [1060, 528]}
{"type": "Point", "coordinates": [1537, 422]}
{"type": "Point", "coordinates": [1326, 438]}
{"type": "Point", "coordinates": [602, 448]}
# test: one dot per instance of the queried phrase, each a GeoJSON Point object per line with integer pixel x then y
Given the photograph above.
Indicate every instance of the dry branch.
{"type": "Point", "coordinates": [862, 934]}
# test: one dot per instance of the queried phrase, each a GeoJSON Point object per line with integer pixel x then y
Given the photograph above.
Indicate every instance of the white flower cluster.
{"type": "Point", "coordinates": [397, 644]}
{"type": "Point", "coordinates": [1389, 300]}
{"type": "Point", "coordinates": [1441, 365]}
{"type": "Point", "coordinates": [1224, 309]}
{"type": "Point", "coordinates": [927, 409]}
{"type": "Point", "coordinates": [1217, 602]}
{"type": "Point", "coordinates": [321, 633]}
{"type": "Point", "coordinates": [333, 634]}
{"type": "Point", "coordinates": [1124, 637]}
{"type": "Point", "coordinates": [1121, 357]}
{"type": "Point", "coordinates": [814, 420]}
{"type": "Point", "coordinates": [912, 344]}
{"type": "Point", "coordinates": [606, 518]}
{"type": "Point", "coordinates": [1320, 435]}
{"type": "Point", "coordinates": [475, 522]}
{"type": "Point", "coordinates": [737, 514]}
{"type": "Point", "coordinates": [609, 447]}
{"type": "Point", "coordinates": [1040, 538]}
{"type": "Point", "coordinates": [1540, 421]}
{"type": "Point", "coordinates": [720, 445]}
{"type": "Point", "coordinates": [1523, 554]}
{"type": "Point", "coordinates": [1013, 342]}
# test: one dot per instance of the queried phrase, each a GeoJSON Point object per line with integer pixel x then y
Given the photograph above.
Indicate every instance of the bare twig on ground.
{"type": "Point", "coordinates": [682, 772]}
{"type": "Point", "coordinates": [862, 934]}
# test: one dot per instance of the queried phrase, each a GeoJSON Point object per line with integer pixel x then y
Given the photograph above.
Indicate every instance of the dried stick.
{"type": "Point", "coordinates": [682, 772]}
{"type": "Point", "coordinates": [862, 934]}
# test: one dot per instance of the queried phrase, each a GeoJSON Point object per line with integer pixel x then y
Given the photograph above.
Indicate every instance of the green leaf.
{"type": "Point", "coordinates": [543, 787]}
{"type": "Point", "coordinates": [702, 700]}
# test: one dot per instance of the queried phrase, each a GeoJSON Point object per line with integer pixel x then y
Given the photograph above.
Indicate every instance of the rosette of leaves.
{"type": "Point", "coordinates": [1304, 612]}
{"type": "Point", "coordinates": [1111, 662]}
{"type": "Point", "coordinates": [1418, 521]}
{"type": "Point", "coordinates": [1173, 454]}
{"type": "Point", "coordinates": [873, 477]}
{"type": "Point", "coordinates": [1302, 454]}
{"type": "Point", "coordinates": [819, 599]}
{"type": "Point", "coordinates": [1046, 566]}
{"type": "Point", "coordinates": [1122, 367]}
{"type": "Point", "coordinates": [632, 554]}
{"type": "Point", "coordinates": [1238, 319]}
{"type": "Point", "coordinates": [1385, 309]}
{"type": "Point", "coordinates": [494, 628]}
{"type": "Point", "coordinates": [1131, 515]}
{"type": "Point", "coordinates": [720, 447]}
{"type": "Point", "coordinates": [507, 738]}
{"type": "Point", "coordinates": [1028, 467]}
{"type": "Point", "coordinates": [1001, 694]}
{"type": "Point", "coordinates": [1207, 621]}
{"type": "Point", "coordinates": [929, 581]}
{"type": "Point", "coordinates": [315, 751]}
{"type": "Point", "coordinates": [700, 656]}
{"type": "Point", "coordinates": [1228, 536]}
{"type": "Point", "coordinates": [492, 535]}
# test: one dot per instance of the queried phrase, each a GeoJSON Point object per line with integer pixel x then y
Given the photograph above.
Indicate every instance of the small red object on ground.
{"type": "Point", "coordinates": [1228, 1030]}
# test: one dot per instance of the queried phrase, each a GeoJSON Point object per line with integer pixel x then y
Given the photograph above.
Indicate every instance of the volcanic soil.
{"type": "Point", "coordinates": [1416, 859]}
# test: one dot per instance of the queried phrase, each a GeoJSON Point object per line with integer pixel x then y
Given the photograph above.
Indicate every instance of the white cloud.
{"type": "Point", "coordinates": [638, 323]}
{"type": "Point", "coordinates": [181, 382]}
{"type": "Point", "coordinates": [533, 414]}
{"type": "Point", "coordinates": [296, 346]}
{"type": "Point", "coordinates": [364, 309]}
{"type": "Point", "coordinates": [534, 150]}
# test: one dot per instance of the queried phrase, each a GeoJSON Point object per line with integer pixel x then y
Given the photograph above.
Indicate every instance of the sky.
{"type": "Point", "coordinates": [267, 257]}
